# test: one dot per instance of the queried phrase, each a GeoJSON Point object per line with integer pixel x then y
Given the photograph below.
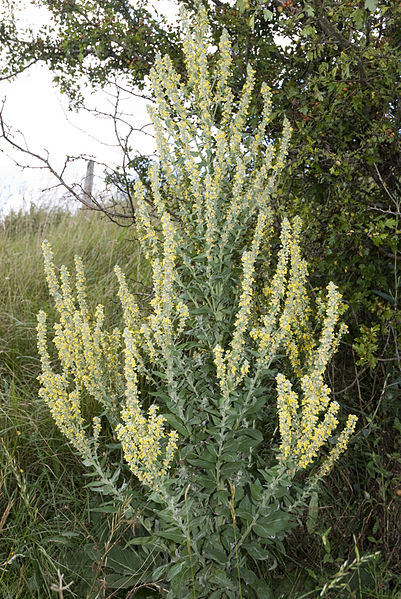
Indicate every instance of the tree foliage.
{"type": "Point", "coordinates": [86, 42]}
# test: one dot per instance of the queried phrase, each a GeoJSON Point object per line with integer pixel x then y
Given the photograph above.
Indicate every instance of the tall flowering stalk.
{"type": "Point", "coordinates": [90, 360]}
{"type": "Point", "coordinates": [227, 348]}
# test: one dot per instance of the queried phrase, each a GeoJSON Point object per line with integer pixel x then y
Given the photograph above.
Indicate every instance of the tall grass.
{"type": "Point", "coordinates": [23, 288]}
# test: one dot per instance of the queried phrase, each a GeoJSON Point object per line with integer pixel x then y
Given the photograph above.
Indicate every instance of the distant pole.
{"type": "Point", "coordinates": [88, 181]}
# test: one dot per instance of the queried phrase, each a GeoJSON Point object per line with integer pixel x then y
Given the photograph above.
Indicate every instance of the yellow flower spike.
{"type": "Point", "coordinates": [223, 73]}
{"type": "Point", "coordinates": [183, 315]}
{"type": "Point", "coordinates": [65, 409]}
{"type": "Point", "coordinates": [267, 108]}
{"type": "Point", "coordinates": [287, 407]}
{"type": "Point", "coordinates": [297, 338]}
{"type": "Point", "coordinates": [42, 341]}
{"type": "Point", "coordinates": [269, 334]}
{"type": "Point", "coordinates": [97, 426]}
{"type": "Point", "coordinates": [219, 360]}
{"type": "Point", "coordinates": [239, 119]}
{"type": "Point", "coordinates": [51, 278]}
{"type": "Point", "coordinates": [340, 446]}
{"type": "Point", "coordinates": [130, 308]}
{"type": "Point", "coordinates": [195, 55]}
{"type": "Point", "coordinates": [68, 307]}
{"type": "Point", "coordinates": [241, 324]}
{"type": "Point", "coordinates": [310, 444]}
{"type": "Point", "coordinates": [212, 184]}
{"type": "Point", "coordinates": [235, 207]}
{"type": "Point", "coordinates": [146, 230]}
{"type": "Point", "coordinates": [165, 79]}
{"type": "Point", "coordinates": [142, 441]}
{"type": "Point", "coordinates": [154, 176]}
{"type": "Point", "coordinates": [81, 344]}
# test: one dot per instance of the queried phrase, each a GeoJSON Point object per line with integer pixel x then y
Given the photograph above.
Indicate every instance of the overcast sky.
{"type": "Point", "coordinates": [37, 109]}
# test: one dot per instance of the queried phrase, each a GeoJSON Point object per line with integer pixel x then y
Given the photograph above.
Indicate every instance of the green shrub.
{"type": "Point", "coordinates": [216, 494]}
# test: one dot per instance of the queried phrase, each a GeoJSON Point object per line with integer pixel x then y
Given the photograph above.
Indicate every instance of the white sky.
{"type": "Point", "coordinates": [40, 112]}
{"type": "Point", "coordinates": [37, 109]}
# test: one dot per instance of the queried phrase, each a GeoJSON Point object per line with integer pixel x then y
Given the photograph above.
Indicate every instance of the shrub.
{"type": "Point", "coordinates": [187, 393]}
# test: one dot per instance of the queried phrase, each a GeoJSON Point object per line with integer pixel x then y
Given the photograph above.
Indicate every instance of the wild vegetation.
{"type": "Point", "coordinates": [197, 394]}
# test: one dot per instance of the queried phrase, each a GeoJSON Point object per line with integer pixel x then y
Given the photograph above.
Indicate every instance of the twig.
{"type": "Point", "coordinates": [90, 203]}
{"type": "Point", "coordinates": [390, 195]}
{"type": "Point", "coordinates": [60, 588]}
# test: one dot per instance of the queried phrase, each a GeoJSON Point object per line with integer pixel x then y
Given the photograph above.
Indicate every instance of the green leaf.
{"type": "Point", "coordinates": [247, 439]}
{"type": "Point", "coordinates": [200, 462]}
{"type": "Point", "coordinates": [262, 531]}
{"type": "Point", "coordinates": [176, 424]}
{"type": "Point", "coordinates": [229, 469]}
{"type": "Point", "coordinates": [371, 5]}
{"type": "Point", "coordinates": [251, 432]}
{"type": "Point", "coordinates": [221, 579]}
{"type": "Point", "coordinates": [248, 576]}
{"type": "Point", "coordinates": [256, 407]}
{"type": "Point", "coordinates": [63, 538]}
{"type": "Point", "coordinates": [257, 551]}
{"type": "Point", "coordinates": [256, 491]}
{"type": "Point", "coordinates": [116, 581]}
{"type": "Point", "coordinates": [159, 572]}
{"type": "Point", "coordinates": [227, 456]}
{"type": "Point", "coordinates": [91, 552]}
{"type": "Point", "coordinates": [141, 541]}
{"type": "Point", "coordinates": [270, 526]}
{"type": "Point", "coordinates": [215, 552]}
{"type": "Point", "coordinates": [358, 17]}
{"type": "Point", "coordinates": [172, 535]}
{"type": "Point", "coordinates": [313, 512]}
{"type": "Point", "coordinates": [107, 508]}
{"type": "Point", "coordinates": [244, 515]}
{"type": "Point", "coordinates": [124, 561]}
{"type": "Point", "coordinates": [175, 570]}
{"type": "Point", "coordinates": [240, 5]}
{"type": "Point", "coordinates": [208, 482]}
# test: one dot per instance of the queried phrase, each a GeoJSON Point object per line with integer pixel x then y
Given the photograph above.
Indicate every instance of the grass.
{"type": "Point", "coordinates": [23, 288]}
{"type": "Point", "coordinates": [44, 509]}
{"type": "Point", "coordinates": [50, 530]}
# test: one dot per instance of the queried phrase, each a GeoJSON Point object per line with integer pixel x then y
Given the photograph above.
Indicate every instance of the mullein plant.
{"type": "Point", "coordinates": [217, 396]}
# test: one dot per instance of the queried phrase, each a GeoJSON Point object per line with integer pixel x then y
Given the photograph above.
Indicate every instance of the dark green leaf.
{"type": "Point", "coordinates": [256, 551]}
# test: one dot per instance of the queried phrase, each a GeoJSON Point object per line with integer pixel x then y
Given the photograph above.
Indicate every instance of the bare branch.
{"type": "Point", "coordinates": [76, 191]}
{"type": "Point", "coordinates": [21, 70]}
{"type": "Point", "coordinates": [386, 189]}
